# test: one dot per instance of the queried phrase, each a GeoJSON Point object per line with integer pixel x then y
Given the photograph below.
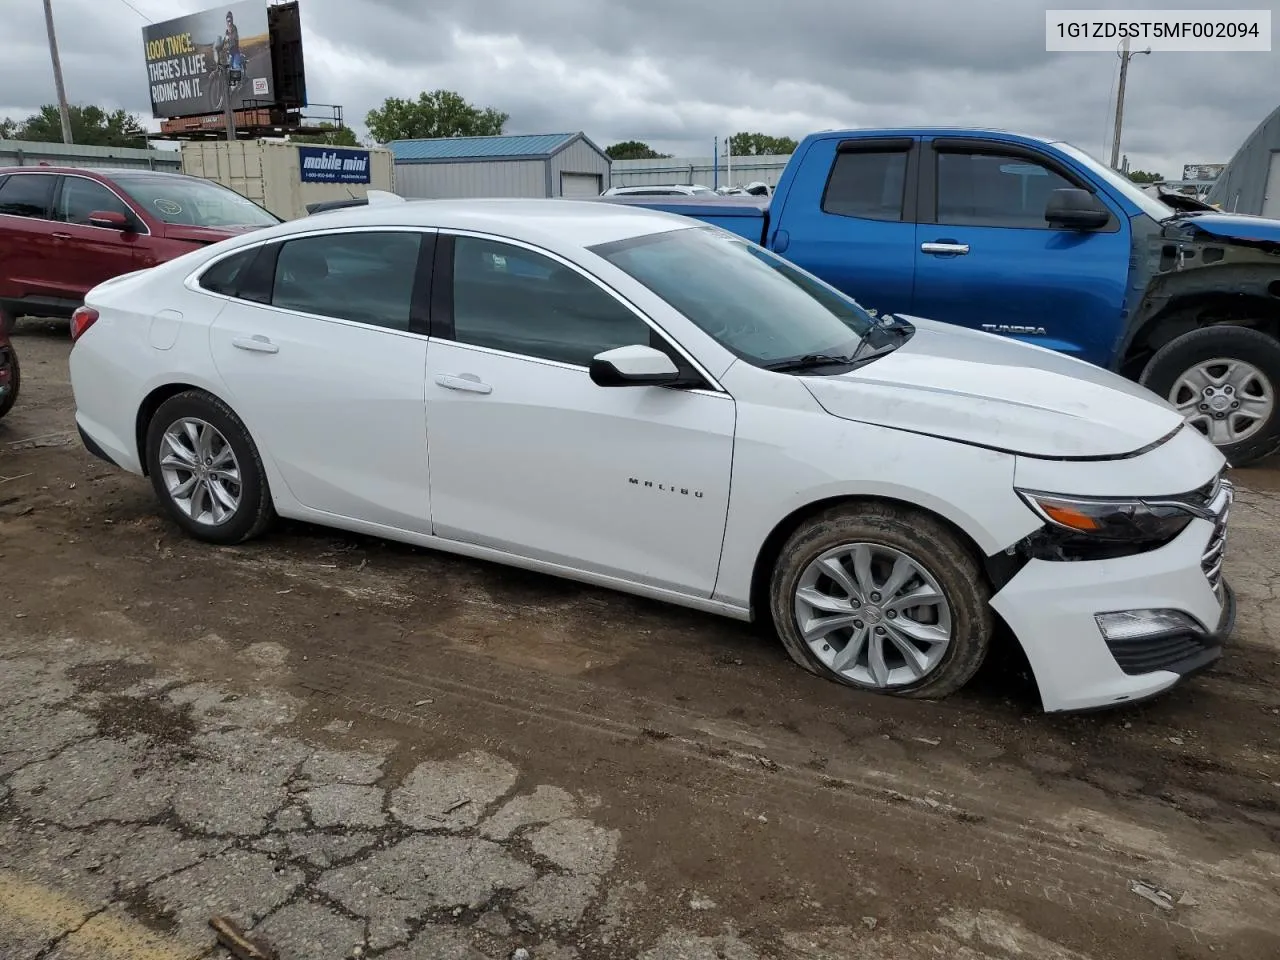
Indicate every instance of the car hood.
{"type": "Point", "coordinates": [1232, 226]}
{"type": "Point", "coordinates": [181, 231]}
{"type": "Point", "coordinates": [995, 392]}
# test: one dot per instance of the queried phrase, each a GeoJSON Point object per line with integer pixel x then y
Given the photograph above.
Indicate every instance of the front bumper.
{"type": "Point", "coordinates": [1051, 605]}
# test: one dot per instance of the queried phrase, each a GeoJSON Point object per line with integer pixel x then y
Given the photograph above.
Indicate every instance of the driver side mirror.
{"type": "Point", "coordinates": [110, 219]}
{"type": "Point", "coordinates": [633, 366]}
{"type": "Point", "coordinates": [1074, 209]}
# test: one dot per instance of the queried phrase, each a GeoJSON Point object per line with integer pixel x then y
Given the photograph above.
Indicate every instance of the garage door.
{"type": "Point", "coordinates": [1271, 201]}
{"type": "Point", "coordinates": [580, 186]}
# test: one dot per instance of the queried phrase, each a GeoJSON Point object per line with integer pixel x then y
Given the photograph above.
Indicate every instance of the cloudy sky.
{"type": "Point", "coordinates": [675, 73]}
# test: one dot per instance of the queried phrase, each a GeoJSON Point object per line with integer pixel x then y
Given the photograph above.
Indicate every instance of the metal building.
{"type": "Point", "coordinates": [1250, 183]}
{"type": "Point", "coordinates": [707, 171]}
{"type": "Point", "coordinates": [536, 165]}
{"type": "Point", "coordinates": [18, 153]}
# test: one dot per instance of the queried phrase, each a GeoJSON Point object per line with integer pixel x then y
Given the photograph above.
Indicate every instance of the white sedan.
{"type": "Point", "coordinates": [638, 401]}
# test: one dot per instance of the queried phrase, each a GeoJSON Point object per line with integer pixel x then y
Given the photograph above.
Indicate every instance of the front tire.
{"type": "Point", "coordinates": [206, 470]}
{"type": "Point", "coordinates": [1225, 380]}
{"type": "Point", "coordinates": [882, 598]}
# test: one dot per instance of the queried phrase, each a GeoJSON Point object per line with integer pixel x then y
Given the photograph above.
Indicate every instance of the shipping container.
{"type": "Point", "coordinates": [284, 177]}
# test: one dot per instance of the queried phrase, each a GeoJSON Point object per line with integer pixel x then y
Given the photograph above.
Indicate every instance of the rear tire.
{"type": "Point", "coordinates": [890, 561]}
{"type": "Point", "coordinates": [206, 470]}
{"type": "Point", "coordinates": [15, 381]}
{"type": "Point", "coordinates": [1191, 373]}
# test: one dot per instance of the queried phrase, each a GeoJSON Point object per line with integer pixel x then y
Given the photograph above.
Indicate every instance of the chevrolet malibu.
{"type": "Point", "coordinates": [634, 400]}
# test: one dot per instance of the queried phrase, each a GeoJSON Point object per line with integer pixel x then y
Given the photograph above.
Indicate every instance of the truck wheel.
{"type": "Point", "coordinates": [1224, 380]}
{"type": "Point", "coordinates": [882, 598]}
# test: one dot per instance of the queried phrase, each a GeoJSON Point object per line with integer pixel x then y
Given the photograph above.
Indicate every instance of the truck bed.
{"type": "Point", "coordinates": [745, 216]}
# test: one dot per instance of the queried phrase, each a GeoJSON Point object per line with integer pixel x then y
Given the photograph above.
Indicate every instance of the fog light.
{"type": "Point", "coordinates": [1134, 624]}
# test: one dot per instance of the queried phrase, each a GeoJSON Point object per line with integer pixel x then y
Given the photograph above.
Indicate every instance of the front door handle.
{"type": "Point", "coordinates": [257, 343]}
{"type": "Point", "coordinates": [945, 247]}
{"type": "Point", "coordinates": [61, 236]}
{"type": "Point", "coordinates": [463, 381]}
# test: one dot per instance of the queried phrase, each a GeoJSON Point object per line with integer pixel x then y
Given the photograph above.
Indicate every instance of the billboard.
{"type": "Point", "coordinates": [192, 61]}
{"type": "Point", "coordinates": [333, 165]}
{"type": "Point", "coordinates": [1202, 171]}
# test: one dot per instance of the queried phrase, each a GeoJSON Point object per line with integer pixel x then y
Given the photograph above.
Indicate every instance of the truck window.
{"type": "Point", "coordinates": [867, 185]}
{"type": "Point", "coordinates": [985, 190]}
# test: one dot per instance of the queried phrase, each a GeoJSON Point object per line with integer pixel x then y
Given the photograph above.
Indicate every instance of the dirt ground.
{"type": "Point", "coordinates": [355, 748]}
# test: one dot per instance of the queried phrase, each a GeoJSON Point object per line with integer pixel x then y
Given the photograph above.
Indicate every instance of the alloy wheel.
{"type": "Point", "coordinates": [873, 615]}
{"type": "Point", "coordinates": [1225, 399]}
{"type": "Point", "coordinates": [200, 471]}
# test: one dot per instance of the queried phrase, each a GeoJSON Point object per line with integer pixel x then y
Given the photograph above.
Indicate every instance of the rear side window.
{"type": "Point", "coordinates": [80, 198]}
{"type": "Point", "coordinates": [867, 184]}
{"type": "Point", "coordinates": [225, 276]}
{"type": "Point", "coordinates": [27, 195]}
{"type": "Point", "coordinates": [367, 277]}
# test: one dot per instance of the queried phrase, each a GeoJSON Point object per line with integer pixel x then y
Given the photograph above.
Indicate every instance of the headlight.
{"type": "Point", "coordinates": [1121, 519]}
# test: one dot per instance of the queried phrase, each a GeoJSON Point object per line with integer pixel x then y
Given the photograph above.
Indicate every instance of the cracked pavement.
{"type": "Point", "coordinates": [356, 749]}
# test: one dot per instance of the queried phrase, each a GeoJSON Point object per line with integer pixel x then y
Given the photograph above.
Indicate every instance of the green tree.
{"type": "Point", "coordinates": [90, 126]}
{"type": "Point", "coordinates": [1145, 176]}
{"type": "Point", "coordinates": [333, 136]}
{"type": "Point", "coordinates": [634, 150]}
{"type": "Point", "coordinates": [760, 145]}
{"type": "Point", "coordinates": [438, 113]}
{"type": "Point", "coordinates": [8, 129]}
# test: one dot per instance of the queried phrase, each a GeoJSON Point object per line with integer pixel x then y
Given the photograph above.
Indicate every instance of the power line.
{"type": "Point", "coordinates": [137, 11]}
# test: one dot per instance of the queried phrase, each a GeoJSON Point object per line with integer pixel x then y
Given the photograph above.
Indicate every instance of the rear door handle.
{"type": "Point", "coordinates": [946, 247]}
{"type": "Point", "coordinates": [463, 381]}
{"type": "Point", "coordinates": [61, 236]}
{"type": "Point", "coordinates": [257, 343]}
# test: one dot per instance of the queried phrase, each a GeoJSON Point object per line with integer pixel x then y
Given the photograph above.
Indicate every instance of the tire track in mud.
{"type": "Point", "coordinates": [970, 833]}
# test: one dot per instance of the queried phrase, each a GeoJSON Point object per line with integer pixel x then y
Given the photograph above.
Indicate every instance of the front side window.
{"type": "Point", "coordinates": [81, 198]}
{"type": "Point", "coordinates": [508, 298]}
{"type": "Point", "coordinates": [27, 195]}
{"type": "Point", "coordinates": [867, 184]}
{"type": "Point", "coordinates": [366, 277]}
{"type": "Point", "coordinates": [987, 190]}
{"type": "Point", "coordinates": [753, 303]}
{"type": "Point", "coordinates": [192, 202]}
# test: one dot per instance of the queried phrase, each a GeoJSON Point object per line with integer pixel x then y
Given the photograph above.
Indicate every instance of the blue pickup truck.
{"type": "Point", "coordinates": [1037, 240]}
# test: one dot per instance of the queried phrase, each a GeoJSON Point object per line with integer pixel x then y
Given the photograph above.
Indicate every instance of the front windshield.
{"type": "Point", "coordinates": [195, 203]}
{"type": "Point", "coordinates": [756, 305]}
{"type": "Point", "coordinates": [1154, 208]}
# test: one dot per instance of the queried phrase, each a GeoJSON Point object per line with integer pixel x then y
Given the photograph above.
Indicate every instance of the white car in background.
{"type": "Point", "coordinates": [662, 190]}
{"type": "Point", "coordinates": [638, 401]}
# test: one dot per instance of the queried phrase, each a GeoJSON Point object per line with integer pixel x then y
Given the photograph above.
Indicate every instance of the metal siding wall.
{"type": "Point", "coordinates": [497, 178]}
{"type": "Point", "coordinates": [1242, 186]}
{"type": "Point", "coordinates": [700, 170]}
{"type": "Point", "coordinates": [578, 158]}
{"type": "Point", "coordinates": [31, 152]}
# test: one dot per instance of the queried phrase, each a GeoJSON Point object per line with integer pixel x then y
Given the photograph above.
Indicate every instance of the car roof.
{"type": "Point", "coordinates": [551, 222]}
{"type": "Point", "coordinates": [105, 173]}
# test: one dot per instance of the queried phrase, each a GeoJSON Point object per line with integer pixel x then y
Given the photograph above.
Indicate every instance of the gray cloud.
{"type": "Point", "coordinates": [676, 74]}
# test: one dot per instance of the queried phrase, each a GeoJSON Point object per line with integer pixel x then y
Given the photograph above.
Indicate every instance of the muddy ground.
{"type": "Point", "coordinates": [355, 748]}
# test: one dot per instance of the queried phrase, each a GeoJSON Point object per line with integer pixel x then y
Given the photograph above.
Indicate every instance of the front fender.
{"type": "Point", "coordinates": [787, 459]}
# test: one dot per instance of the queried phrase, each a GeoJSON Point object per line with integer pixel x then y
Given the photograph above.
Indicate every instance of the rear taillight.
{"type": "Point", "coordinates": [82, 320]}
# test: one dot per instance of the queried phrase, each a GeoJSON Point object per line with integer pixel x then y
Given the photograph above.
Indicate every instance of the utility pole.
{"type": "Point", "coordinates": [1125, 57]}
{"type": "Point", "coordinates": [63, 111]}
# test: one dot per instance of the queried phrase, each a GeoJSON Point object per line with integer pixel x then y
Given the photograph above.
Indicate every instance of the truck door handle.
{"type": "Point", "coordinates": [468, 382]}
{"type": "Point", "coordinates": [945, 247]}
{"type": "Point", "coordinates": [257, 343]}
{"type": "Point", "coordinates": [61, 236]}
